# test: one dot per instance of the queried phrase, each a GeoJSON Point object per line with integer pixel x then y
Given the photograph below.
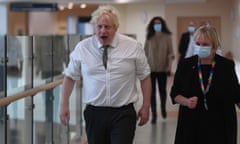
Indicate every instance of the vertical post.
{"type": "Point", "coordinates": [3, 109]}
{"type": "Point", "coordinates": [29, 106]}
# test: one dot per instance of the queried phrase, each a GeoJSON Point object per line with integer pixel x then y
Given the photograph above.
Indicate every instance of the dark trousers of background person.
{"type": "Point", "coordinates": [161, 78]}
{"type": "Point", "coordinates": [107, 125]}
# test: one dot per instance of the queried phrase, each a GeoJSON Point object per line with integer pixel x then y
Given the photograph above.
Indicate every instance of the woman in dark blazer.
{"type": "Point", "coordinates": [207, 89]}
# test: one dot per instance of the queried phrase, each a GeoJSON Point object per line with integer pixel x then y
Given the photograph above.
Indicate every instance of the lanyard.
{"type": "Point", "coordinates": [209, 81]}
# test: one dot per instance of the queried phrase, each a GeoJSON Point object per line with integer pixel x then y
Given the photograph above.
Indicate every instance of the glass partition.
{"type": "Point", "coordinates": [43, 73]}
{"type": "Point", "coordinates": [3, 115]}
{"type": "Point", "coordinates": [29, 62]}
{"type": "Point", "coordinates": [60, 49]}
{"type": "Point", "coordinates": [14, 64]}
{"type": "Point", "coordinates": [19, 66]}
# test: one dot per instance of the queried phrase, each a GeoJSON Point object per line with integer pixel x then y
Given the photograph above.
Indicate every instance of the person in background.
{"type": "Point", "coordinates": [207, 89]}
{"type": "Point", "coordinates": [159, 51]}
{"type": "Point", "coordinates": [110, 63]}
{"type": "Point", "coordinates": [185, 40]}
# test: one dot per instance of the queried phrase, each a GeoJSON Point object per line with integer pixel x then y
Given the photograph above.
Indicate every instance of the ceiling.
{"type": "Point", "coordinates": [104, 1]}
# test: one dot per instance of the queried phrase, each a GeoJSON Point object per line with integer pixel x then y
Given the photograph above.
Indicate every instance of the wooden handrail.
{"type": "Point", "coordinates": [7, 100]}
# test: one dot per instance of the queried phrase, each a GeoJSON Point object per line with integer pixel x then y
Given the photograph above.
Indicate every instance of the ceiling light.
{"type": "Point", "coordinates": [83, 6]}
{"type": "Point", "coordinates": [70, 5]}
{"type": "Point", "coordinates": [61, 7]}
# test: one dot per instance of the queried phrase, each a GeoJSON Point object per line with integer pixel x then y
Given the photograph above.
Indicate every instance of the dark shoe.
{"type": "Point", "coordinates": [164, 114]}
{"type": "Point", "coordinates": [154, 118]}
{"type": "Point", "coordinates": [153, 121]}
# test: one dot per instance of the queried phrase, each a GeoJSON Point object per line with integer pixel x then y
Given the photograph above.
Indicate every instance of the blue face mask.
{"type": "Point", "coordinates": [157, 27]}
{"type": "Point", "coordinates": [202, 51]}
{"type": "Point", "coordinates": [191, 29]}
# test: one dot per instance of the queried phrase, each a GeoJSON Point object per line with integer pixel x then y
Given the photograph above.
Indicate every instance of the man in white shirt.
{"type": "Point", "coordinates": [109, 88]}
{"type": "Point", "coordinates": [186, 40]}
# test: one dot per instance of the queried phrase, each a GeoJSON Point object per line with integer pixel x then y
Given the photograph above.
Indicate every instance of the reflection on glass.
{"type": "Point", "coordinates": [18, 78]}
{"type": "Point", "coordinates": [14, 62]}
{"type": "Point", "coordinates": [43, 64]}
{"type": "Point", "coordinates": [32, 62]}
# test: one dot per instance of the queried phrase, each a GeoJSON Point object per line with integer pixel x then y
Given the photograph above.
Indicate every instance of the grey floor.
{"type": "Point", "coordinates": [162, 132]}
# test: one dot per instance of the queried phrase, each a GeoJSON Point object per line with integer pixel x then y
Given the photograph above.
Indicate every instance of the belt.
{"type": "Point", "coordinates": [109, 107]}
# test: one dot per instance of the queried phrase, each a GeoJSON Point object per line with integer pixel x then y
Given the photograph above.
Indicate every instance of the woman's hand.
{"type": "Point", "coordinates": [188, 102]}
{"type": "Point", "coordinates": [192, 102]}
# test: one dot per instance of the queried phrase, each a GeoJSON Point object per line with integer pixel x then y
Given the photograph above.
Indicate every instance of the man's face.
{"type": "Point", "coordinates": [105, 30]}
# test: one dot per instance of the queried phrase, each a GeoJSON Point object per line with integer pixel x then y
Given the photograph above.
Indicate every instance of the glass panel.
{"type": "Point", "coordinates": [14, 64]}
{"type": "Point", "coordinates": [75, 124]}
{"type": "Point", "coordinates": [40, 125]}
{"type": "Point", "coordinates": [43, 63]}
{"type": "Point", "coordinates": [73, 132]}
{"type": "Point", "coordinates": [16, 126]}
{"type": "Point", "coordinates": [59, 60]}
{"type": "Point", "coordinates": [43, 73]}
{"type": "Point", "coordinates": [59, 56]}
{"type": "Point", "coordinates": [2, 91]}
{"type": "Point", "coordinates": [73, 40]}
{"type": "Point", "coordinates": [19, 78]}
{"type": "Point", "coordinates": [76, 121]}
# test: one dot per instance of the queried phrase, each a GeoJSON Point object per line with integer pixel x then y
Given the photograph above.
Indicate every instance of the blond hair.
{"type": "Point", "coordinates": [108, 10]}
{"type": "Point", "coordinates": [209, 32]}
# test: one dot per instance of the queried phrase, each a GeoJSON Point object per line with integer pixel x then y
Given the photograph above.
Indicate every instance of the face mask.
{"type": "Point", "coordinates": [191, 29]}
{"type": "Point", "coordinates": [157, 27]}
{"type": "Point", "coordinates": [202, 51]}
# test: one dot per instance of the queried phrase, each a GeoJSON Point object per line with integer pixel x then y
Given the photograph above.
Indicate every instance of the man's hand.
{"type": "Point", "coordinates": [64, 114]}
{"type": "Point", "coordinates": [143, 116]}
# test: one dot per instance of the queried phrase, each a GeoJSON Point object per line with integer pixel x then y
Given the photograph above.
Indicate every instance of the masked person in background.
{"type": "Point", "coordinates": [207, 89]}
{"type": "Point", "coordinates": [185, 40]}
{"type": "Point", "coordinates": [159, 51]}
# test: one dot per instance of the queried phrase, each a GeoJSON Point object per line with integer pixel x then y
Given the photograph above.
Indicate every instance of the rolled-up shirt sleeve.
{"type": "Point", "coordinates": [73, 69]}
{"type": "Point", "coordinates": [142, 66]}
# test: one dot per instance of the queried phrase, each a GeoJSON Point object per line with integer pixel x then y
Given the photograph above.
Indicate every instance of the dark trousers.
{"type": "Point", "coordinates": [107, 125]}
{"type": "Point", "coordinates": [161, 78]}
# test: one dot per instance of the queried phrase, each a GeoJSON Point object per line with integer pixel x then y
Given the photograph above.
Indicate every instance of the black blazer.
{"type": "Point", "coordinates": [183, 44]}
{"type": "Point", "coordinates": [224, 83]}
{"type": "Point", "coordinates": [220, 120]}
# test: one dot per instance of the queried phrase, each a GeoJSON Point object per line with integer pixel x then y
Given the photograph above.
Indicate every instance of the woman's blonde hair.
{"type": "Point", "coordinates": [209, 32]}
{"type": "Point", "coordinates": [108, 10]}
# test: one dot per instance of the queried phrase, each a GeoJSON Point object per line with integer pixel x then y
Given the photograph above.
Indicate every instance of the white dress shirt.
{"type": "Point", "coordinates": [116, 85]}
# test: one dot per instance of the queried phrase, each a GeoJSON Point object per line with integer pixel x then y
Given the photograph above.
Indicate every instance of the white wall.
{"type": "Point", "coordinates": [130, 17]}
{"type": "Point", "coordinates": [236, 30]}
{"type": "Point", "coordinates": [4, 20]}
{"type": "Point", "coordinates": [42, 23]}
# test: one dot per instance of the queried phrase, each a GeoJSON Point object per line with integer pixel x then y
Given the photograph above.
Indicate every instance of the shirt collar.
{"type": "Point", "coordinates": [112, 45]}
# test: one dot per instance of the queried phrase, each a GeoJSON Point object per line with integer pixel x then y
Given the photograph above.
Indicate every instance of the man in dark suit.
{"type": "Point", "coordinates": [185, 40]}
